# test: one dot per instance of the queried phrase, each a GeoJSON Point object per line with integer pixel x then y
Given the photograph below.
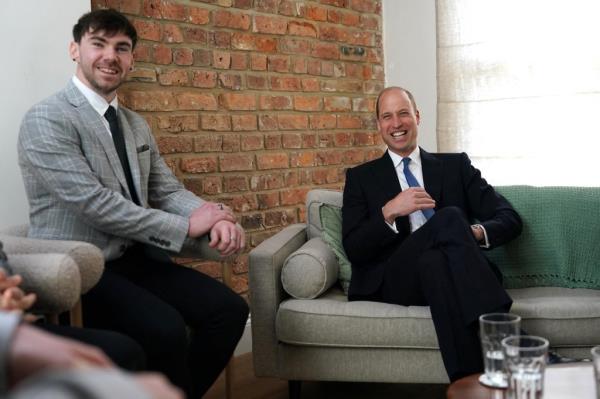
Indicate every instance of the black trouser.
{"type": "Point", "coordinates": [441, 265]}
{"type": "Point", "coordinates": [145, 295]}
{"type": "Point", "coordinates": [122, 350]}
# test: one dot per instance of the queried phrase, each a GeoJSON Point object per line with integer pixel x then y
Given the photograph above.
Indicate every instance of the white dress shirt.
{"type": "Point", "coordinates": [96, 101]}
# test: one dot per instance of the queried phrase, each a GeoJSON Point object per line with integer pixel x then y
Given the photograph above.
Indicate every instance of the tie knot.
{"type": "Point", "coordinates": [406, 161]}
{"type": "Point", "coordinates": [111, 113]}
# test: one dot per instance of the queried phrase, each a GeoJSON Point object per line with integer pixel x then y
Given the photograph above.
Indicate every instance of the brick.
{"type": "Point", "coordinates": [173, 77]}
{"type": "Point", "coordinates": [327, 68]}
{"type": "Point", "coordinates": [291, 178]}
{"type": "Point", "coordinates": [231, 81]}
{"type": "Point", "coordinates": [315, 12]}
{"type": "Point", "coordinates": [162, 54]}
{"type": "Point", "coordinates": [378, 72]}
{"type": "Point", "coordinates": [342, 139]}
{"type": "Point", "coordinates": [171, 145]}
{"type": "Point", "coordinates": [195, 35]}
{"type": "Point", "coordinates": [236, 162]}
{"type": "Point", "coordinates": [129, 6]}
{"type": "Point", "coordinates": [293, 140]}
{"type": "Point", "coordinates": [272, 141]}
{"type": "Point", "coordinates": [199, 165]}
{"type": "Point", "coordinates": [333, 33]}
{"type": "Point", "coordinates": [369, 6]}
{"type": "Point", "coordinates": [252, 142]}
{"type": "Point", "coordinates": [363, 104]}
{"type": "Point", "coordinates": [198, 16]}
{"type": "Point", "coordinates": [373, 87]}
{"type": "Point", "coordinates": [310, 84]}
{"type": "Point", "coordinates": [239, 61]}
{"type": "Point", "coordinates": [196, 101]}
{"type": "Point", "coordinates": [243, 41]}
{"type": "Point", "coordinates": [349, 122]}
{"type": "Point", "coordinates": [238, 102]}
{"type": "Point", "coordinates": [172, 34]}
{"type": "Point", "coordinates": [288, 8]}
{"type": "Point", "coordinates": [354, 156]}
{"type": "Point", "coordinates": [308, 103]}
{"type": "Point", "coordinates": [267, 122]}
{"type": "Point", "coordinates": [258, 62]}
{"type": "Point", "coordinates": [266, 44]}
{"type": "Point", "coordinates": [212, 185]}
{"type": "Point", "coordinates": [294, 46]}
{"type": "Point", "coordinates": [231, 143]}
{"type": "Point", "coordinates": [212, 269]}
{"type": "Point", "coordinates": [363, 139]}
{"type": "Point", "coordinates": [256, 82]}
{"type": "Point", "coordinates": [245, 4]}
{"type": "Point", "coordinates": [279, 218]}
{"type": "Point", "coordinates": [298, 28]}
{"type": "Point", "coordinates": [272, 161]}
{"type": "Point", "coordinates": [303, 159]}
{"type": "Point", "coordinates": [267, 181]}
{"type": "Point", "coordinates": [232, 20]}
{"type": "Point", "coordinates": [267, 102]}
{"type": "Point", "coordinates": [361, 38]}
{"type": "Point", "coordinates": [269, 6]}
{"type": "Point", "coordinates": [278, 63]}
{"type": "Point", "coordinates": [183, 56]}
{"type": "Point", "coordinates": [328, 51]}
{"type": "Point", "coordinates": [232, 184]}
{"type": "Point", "coordinates": [150, 100]}
{"type": "Point", "coordinates": [285, 83]}
{"type": "Point", "coordinates": [239, 284]}
{"type": "Point", "coordinates": [217, 122]}
{"type": "Point", "coordinates": [142, 75]}
{"type": "Point", "coordinates": [267, 200]}
{"type": "Point", "coordinates": [147, 30]}
{"type": "Point", "coordinates": [202, 57]}
{"type": "Point", "coordinates": [325, 121]}
{"type": "Point", "coordinates": [326, 140]}
{"type": "Point", "coordinates": [252, 222]}
{"type": "Point", "coordinates": [208, 143]}
{"type": "Point", "coordinates": [337, 104]}
{"type": "Point", "coordinates": [293, 196]}
{"type": "Point", "coordinates": [309, 140]}
{"type": "Point", "coordinates": [313, 67]}
{"type": "Point", "coordinates": [269, 25]}
{"type": "Point", "coordinates": [329, 157]}
{"type": "Point", "coordinates": [221, 59]}
{"type": "Point", "coordinates": [240, 264]}
{"type": "Point", "coordinates": [337, 85]}
{"type": "Point", "coordinates": [350, 19]}
{"type": "Point", "coordinates": [152, 9]}
{"type": "Point", "coordinates": [204, 79]}
{"type": "Point", "coordinates": [293, 122]}
{"type": "Point", "coordinates": [299, 65]}
{"type": "Point", "coordinates": [324, 176]}
{"type": "Point", "coordinates": [335, 3]}
{"type": "Point", "coordinates": [142, 53]}
{"type": "Point", "coordinates": [178, 123]}
{"type": "Point", "coordinates": [220, 39]}
{"type": "Point", "coordinates": [241, 123]}
{"type": "Point", "coordinates": [369, 22]}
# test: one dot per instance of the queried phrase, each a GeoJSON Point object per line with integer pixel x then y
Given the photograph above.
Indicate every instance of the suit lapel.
{"type": "Point", "coordinates": [432, 175]}
{"type": "Point", "coordinates": [384, 174]}
{"type": "Point", "coordinates": [98, 130]}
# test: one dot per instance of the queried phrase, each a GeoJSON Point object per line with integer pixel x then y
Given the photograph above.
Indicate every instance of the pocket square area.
{"type": "Point", "coordinates": [143, 148]}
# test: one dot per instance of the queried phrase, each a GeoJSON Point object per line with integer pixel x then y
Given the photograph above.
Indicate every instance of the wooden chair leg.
{"type": "Point", "coordinates": [52, 318]}
{"type": "Point", "coordinates": [294, 388]}
{"type": "Point", "coordinates": [76, 315]}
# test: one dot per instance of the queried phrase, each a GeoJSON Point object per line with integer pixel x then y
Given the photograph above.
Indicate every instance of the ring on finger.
{"type": "Point", "coordinates": [220, 206]}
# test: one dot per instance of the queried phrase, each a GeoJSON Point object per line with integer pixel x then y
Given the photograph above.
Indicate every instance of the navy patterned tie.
{"type": "Point", "coordinates": [119, 140]}
{"type": "Point", "coordinates": [413, 182]}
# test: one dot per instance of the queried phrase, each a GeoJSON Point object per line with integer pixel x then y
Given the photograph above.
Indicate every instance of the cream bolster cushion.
{"type": "Point", "coordinates": [310, 271]}
{"type": "Point", "coordinates": [54, 278]}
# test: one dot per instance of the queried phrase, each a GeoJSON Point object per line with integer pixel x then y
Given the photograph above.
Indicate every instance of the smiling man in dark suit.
{"type": "Point", "coordinates": [414, 224]}
{"type": "Point", "coordinates": [93, 172]}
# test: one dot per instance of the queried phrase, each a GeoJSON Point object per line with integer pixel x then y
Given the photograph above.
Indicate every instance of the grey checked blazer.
{"type": "Point", "coordinates": [76, 186]}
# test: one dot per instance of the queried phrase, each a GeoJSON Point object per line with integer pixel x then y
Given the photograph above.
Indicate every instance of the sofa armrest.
{"type": "Point", "coordinates": [54, 278]}
{"type": "Point", "coordinates": [87, 257]}
{"type": "Point", "coordinates": [266, 293]}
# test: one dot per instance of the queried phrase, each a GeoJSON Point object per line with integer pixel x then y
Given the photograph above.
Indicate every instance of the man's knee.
{"type": "Point", "coordinates": [432, 263]}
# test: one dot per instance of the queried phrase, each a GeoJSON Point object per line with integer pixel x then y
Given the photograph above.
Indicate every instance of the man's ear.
{"type": "Point", "coordinates": [418, 116]}
{"type": "Point", "coordinates": [74, 51]}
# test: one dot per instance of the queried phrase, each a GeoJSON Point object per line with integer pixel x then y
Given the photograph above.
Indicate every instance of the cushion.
{"type": "Point", "coordinates": [310, 270]}
{"type": "Point", "coordinates": [331, 221]}
{"type": "Point", "coordinates": [559, 244]}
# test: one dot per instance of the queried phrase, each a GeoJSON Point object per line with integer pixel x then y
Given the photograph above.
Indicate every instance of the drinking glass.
{"type": "Point", "coordinates": [596, 360]}
{"type": "Point", "coordinates": [525, 358]}
{"type": "Point", "coordinates": [493, 328]}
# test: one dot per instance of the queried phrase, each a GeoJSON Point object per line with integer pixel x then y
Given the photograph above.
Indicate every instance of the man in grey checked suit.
{"type": "Point", "coordinates": [96, 177]}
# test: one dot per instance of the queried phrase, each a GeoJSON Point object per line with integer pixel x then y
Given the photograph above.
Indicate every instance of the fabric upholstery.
{"type": "Point", "coordinates": [559, 244]}
{"type": "Point", "coordinates": [331, 222]}
{"type": "Point", "coordinates": [309, 271]}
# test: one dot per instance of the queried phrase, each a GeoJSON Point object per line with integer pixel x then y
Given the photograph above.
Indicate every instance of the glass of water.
{"type": "Point", "coordinates": [525, 357]}
{"type": "Point", "coordinates": [596, 360]}
{"type": "Point", "coordinates": [493, 328]}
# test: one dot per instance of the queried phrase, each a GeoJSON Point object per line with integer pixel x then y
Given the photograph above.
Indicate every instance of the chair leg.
{"type": "Point", "coordinates": [295, 387]}
{"type": "Point", "coordinates": [76, 315]}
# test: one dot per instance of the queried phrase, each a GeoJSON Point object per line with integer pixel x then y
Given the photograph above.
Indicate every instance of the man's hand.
{"type": "Point", "coordinates": [7, 282]}
{"type": "Point", "coordinates": [205, 217]}
{"type": "Point", "coordinates": [407, 202]}
{"type": "Point", "coordinates": [478, 233]}
{"type": "Point", "coordinates": [157, 386]}
{"type": "Point", "coordinates": [33, 350]}
{"type": "Point", "coordinates": [14, 299]}
{"type": "Point", "coordinates": [227, 237]}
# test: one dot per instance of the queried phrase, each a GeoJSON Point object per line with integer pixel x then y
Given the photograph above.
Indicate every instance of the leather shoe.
{"type": "Point", "coordinates": [555, 358]}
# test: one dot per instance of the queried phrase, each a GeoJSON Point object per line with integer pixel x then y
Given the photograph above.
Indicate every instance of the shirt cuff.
{"type": "Point", "coordinates": [486, 242]}
{"type": "Point", "coordinates": [392, 226]}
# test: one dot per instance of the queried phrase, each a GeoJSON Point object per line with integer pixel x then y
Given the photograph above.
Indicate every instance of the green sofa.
{"type": "Point", "coordinates": [304, 328]}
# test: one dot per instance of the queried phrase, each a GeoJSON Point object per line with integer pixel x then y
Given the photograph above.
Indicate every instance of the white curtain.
{"type": "Point", "coordinates": [519, 88]}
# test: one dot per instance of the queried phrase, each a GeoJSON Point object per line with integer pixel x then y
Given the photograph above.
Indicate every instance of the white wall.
{"type": "Point", "coordinates": [409, 50]}
{"type": "Point", "coordinates": [35, 64]}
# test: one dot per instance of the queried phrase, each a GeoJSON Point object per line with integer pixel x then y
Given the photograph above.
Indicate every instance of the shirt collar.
{"type": "Point", "coordinates": [415, 157]}
{"type": "Point", "coordinates": [96, 100]}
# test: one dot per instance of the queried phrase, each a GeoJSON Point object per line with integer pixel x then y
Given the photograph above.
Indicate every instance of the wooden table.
{"type": "Point", "coordinates": [562, 381]}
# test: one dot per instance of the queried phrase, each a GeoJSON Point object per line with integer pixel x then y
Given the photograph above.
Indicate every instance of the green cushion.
{"type": "Point", "coordinates": [331, 222]}
{"type": "Point", "coordinates": [560, 243]}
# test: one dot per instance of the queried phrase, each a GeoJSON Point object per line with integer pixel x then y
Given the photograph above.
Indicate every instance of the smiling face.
{"type": "Point", "coordinates": [103, 61]}
{"type": "Point", "coordinates": [398, 121]}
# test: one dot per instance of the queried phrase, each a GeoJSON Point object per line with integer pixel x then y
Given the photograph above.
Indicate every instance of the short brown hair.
{"type": "Point", "coordinates": [408, 93]}
{"type": "Point", "coordinates": [110, 21]}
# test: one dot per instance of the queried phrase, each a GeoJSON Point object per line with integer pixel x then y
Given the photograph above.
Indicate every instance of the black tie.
{"type": "Point", "coordinates": [119, 140]}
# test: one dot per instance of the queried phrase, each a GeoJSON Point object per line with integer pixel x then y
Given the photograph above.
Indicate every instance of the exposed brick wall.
{"type": "Point", "coordinates": [255, 102]}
